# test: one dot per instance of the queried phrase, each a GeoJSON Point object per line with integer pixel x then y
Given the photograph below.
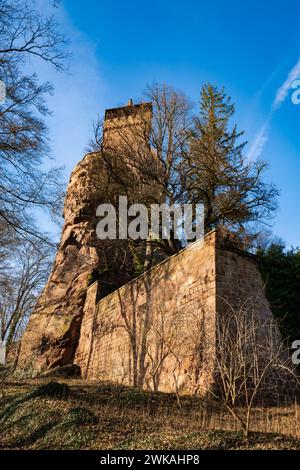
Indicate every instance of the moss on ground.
{"type": "Point", "coordinates": [80, 416]}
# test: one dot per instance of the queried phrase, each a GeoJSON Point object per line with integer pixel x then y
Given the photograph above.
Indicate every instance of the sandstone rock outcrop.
{"type": "Point", "coordinates": [52, 334]}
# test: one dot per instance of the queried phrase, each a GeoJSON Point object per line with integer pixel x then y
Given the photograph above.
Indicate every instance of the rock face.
{"type": "Point", "coordinates": [51, 337]}
{"type": "Point", "coordinates": [52, 334]}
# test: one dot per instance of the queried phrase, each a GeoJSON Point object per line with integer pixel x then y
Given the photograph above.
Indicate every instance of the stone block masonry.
{"type": "Point", "coordinates": [158, 332]}
{"type": "Point", "coordinates": [146, 333]}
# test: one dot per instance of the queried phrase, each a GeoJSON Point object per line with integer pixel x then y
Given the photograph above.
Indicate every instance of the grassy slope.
{"type": "Point", "coordinates": [111, 417]}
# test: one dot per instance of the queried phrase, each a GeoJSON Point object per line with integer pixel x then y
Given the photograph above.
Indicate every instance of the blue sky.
{"type": "Point", "coordinates": [251, 47]}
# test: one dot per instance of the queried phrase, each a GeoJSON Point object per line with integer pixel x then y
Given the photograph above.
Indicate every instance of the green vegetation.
{"type": "Point", "coordinates": [41, 415]}
{"type": "Point", "coordinates": [280, 269]}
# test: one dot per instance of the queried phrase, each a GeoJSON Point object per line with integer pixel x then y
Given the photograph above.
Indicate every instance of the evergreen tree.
{"type": "Point", "coordinates": [280, 269]}
{"type": "Point", "coordinates": [219, 174]}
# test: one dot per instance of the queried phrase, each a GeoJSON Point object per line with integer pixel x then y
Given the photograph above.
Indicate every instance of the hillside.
{"type": "Point", "coordinates": [40, 414]}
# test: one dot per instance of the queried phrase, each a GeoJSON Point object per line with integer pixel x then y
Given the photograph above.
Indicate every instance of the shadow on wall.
{"type": "Point", "coordinates": [150, 333]}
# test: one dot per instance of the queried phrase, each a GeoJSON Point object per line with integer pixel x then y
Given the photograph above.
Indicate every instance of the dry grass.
{"type": "Point", "coordinates": [106, 416]}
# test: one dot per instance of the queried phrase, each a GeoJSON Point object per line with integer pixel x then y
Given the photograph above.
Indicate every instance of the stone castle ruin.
{"type": "Point", "coordinates": [157, 331]}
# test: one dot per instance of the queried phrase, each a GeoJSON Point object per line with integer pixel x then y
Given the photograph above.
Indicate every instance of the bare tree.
{"type": "Point", "coordinates": [155, 143]}
{"type": "Point", "coordinates": [24, 31]}
{"type": "Point", "coordinates": [145, 159]}
{"type": "Point", "coordinates": [24, 183]}
{"type": "Point", "coordinates": [27, 271]}
{"type": "Point", "coordinates": [250, 358]}
{"type": "Point", "coordinates": [188, 159]}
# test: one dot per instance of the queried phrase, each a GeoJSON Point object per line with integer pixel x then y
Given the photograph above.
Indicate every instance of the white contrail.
{"type": "Point", "coordinates": [283, 91]}
{"type": "Point", "coordinates": [260, 141]}
{"type": "Point", "coordinates": [262, 136]}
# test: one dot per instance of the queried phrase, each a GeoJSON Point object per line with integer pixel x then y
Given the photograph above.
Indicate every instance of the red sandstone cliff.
{"type": "Point", "coordinates": [52, 334]}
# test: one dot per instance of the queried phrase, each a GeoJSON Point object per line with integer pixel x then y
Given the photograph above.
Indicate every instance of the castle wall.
{"type": "Point", "coordinates": [160, 331]}
{"type": "Point", "coordinates": [240, 288]}
{"type": "Point", "coordinates": [148, 333]}
{"type": "Point", "coordinates": [239, 284]}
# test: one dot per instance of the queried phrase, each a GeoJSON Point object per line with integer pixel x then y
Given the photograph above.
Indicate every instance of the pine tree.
{"type": "Point", "coordinates": [219, 174]}
{"type": "Point", "coordinates": [280, 269]}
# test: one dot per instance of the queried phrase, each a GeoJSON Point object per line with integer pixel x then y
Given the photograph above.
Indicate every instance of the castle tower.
{"type": "Point", "coordinates": [127, 126]}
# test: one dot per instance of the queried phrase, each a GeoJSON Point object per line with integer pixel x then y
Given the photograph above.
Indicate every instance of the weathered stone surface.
{"type": "Point", "coordinates": [159, 331]}
{"type": "Point", "coordinates": [145, 334]}
{"type": "Point", "coordinates": [51, 337]}
{"type": "Point", "coordinates": [52, 334]}
{"type": "Point", "coordinates": [67, 371]}
{"type": "Point", "coordinates": [12, 352]}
